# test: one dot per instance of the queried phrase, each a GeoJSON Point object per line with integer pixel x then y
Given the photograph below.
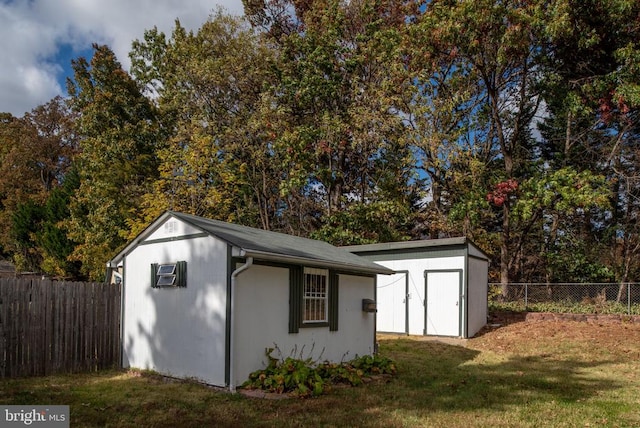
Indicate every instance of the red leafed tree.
{"type": "Point", "coordinates": [502, 192]}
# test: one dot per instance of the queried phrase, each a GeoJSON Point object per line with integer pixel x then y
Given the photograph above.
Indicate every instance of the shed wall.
{"type": "Point", "coordinates": [262, 317]}
{"type": "Point", "coordinates": [388, 316]}
{"type": "Point", "coordinates": [173, 228]}
{"type": "Point", "coordinates": [177, 331]}
{"type": "Point", "coordinates": [478, 271]}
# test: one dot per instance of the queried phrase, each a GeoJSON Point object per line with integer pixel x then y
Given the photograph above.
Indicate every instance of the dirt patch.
{"type": "Point", "coordinates": [530, 333]}
{"type": "Point", "coordinates": [256, 393]}
{"type": "Point", "coordinates": [507, 317]}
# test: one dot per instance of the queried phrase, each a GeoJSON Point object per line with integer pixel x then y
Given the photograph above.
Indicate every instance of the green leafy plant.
{"type": "Point", "coordinates": [304, 377]}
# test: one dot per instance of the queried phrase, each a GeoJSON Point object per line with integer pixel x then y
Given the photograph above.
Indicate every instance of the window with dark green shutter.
{"type": "Point", "coordinates": [313, 298]}
{"type": "Point", "coordinates": [169, 274]}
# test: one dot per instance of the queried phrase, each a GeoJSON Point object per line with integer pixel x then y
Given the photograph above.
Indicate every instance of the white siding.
{"type": "Point", "coordinates": [177, 331]}
{"type": "Point", "coordinates": [391, 293]}
{"type": "Point", "coordinates": [478, 289]}
{"type": "Point", "coordinates": [262, 321]}
{"type": "Point", "coordinates": [171, 228]}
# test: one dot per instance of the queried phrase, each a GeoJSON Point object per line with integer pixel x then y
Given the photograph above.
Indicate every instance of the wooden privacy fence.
{"type": "Point", "coordinates": [51, 327]}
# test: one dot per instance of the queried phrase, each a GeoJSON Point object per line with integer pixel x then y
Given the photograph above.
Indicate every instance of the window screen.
{"type": "Point", "coordinates": [169, 274]}
{"type": "Point", "coordinates": [166, 269]}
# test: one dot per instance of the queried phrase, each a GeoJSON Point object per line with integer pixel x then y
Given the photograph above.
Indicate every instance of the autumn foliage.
{"type": "Point", "coordinates": [353, 122]}
{"type": "Point", "coordinates": [502, 192]}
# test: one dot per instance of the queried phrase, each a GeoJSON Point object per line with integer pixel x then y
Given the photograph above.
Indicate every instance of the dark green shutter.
{"type": "Point", "coordinates": [295, 298]}
{"type": "Point", "coordinates": [181, 274]}
{"type": "Point", "coordinates": [154, 275]}
{"type": "Point", "coordinates": [333, 301]}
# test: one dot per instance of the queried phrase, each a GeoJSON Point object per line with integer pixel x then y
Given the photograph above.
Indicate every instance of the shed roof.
{"type": "Point", "coordinates": [267, 245]}
{"type": "Point", "coordinates": [409, 245]}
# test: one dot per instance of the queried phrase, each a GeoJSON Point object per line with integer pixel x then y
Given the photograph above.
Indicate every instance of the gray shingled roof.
{"type": "Point", "coordinates": [403, 245]}
{"type": "Point", "coordinates": [267, 245]}
{"type": "Point", "coordinates": [391, 247]}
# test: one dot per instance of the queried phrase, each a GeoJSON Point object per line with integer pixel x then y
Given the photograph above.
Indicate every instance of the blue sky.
{"type": "Point", "coordinates": [38, 38]}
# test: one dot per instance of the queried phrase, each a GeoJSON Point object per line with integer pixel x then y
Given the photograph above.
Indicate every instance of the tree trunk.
{"type": "Point", "coordinates": [626, 259]}
{"type": "Point", "coordinates": [504, 251]}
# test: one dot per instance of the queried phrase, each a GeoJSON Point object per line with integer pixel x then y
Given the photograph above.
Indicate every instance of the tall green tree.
{"type": "Point", "coordinates": [591, 64]}
{"type": "Point", "coordinates": [482, 56]}
{"type": "Point", "coordinates": [118, 129]}
{"type": "Point", "coordinates": [479, 73]}
{"type": "Point", "coordinates": [26, 221]}
{"type": "Point", "coordinates": [450, 143]}
{"type": "Point", "coordinates": [337, 115]}
{"type": "Point", "coordinates": [53, 240]}
{"type": "Point", "coordinates": [218, 159]}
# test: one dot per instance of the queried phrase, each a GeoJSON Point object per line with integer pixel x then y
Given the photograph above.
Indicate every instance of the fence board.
{"type": "Point", "coordinates": [8, 327]}
{"type": "Point", "coordinates": [51, 327]}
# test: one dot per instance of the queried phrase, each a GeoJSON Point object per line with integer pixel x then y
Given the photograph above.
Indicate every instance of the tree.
{"type": "Point", "coordinates": [486, 49]}
{"type": "Point", "coordinates": [450, 144]}
{"type": "Point", "coordinates": [482, 75]}
{"type": "Point", "coordinates": [53, 237]}
{"type": "Point", "coordinates": [26, 221]}
{"type": "Point", "coordinates": [117, 163]}
{"type": "Point", "coordinates": [37, 151]}
{"type": "Point", "coordinates": [335, 111]}
{"type": "Point", "coordinates": [218, 159]}
{"type": "Point", "coordinates": [591, 67]}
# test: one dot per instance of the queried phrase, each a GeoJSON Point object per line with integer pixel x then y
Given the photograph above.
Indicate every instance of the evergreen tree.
{"type": "Point", "coordinates": [117, 163]}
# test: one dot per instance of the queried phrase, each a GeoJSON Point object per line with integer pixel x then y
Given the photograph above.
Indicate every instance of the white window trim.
{"type": "Point", "coordinates": [318, 292]}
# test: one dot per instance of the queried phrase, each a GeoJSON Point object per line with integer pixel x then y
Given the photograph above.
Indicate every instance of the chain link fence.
{"type": "Point", "coordinates": [582, 298]}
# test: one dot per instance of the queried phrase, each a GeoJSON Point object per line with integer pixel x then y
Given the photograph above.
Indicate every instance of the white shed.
{"type": "Point", "coordinates": [439, 287]}
{"type": "Point", "coordinates": [203, 299]}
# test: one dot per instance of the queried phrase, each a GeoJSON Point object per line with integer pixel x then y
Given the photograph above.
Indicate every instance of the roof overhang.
{"type": "Point", "coordinates": [390, 246]}
{"type": "Point", "coordinates": [272, 257]}
{"type": "Point", "coordinates": [412, 245]}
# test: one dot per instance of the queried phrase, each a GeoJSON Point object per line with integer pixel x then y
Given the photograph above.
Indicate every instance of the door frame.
{"type": "Point", "coordinates": [406, 300]}
{"type": "Point", "coordinates": [460, 273]}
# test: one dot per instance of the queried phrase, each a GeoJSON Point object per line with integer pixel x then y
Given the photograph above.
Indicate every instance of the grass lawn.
{"type": "Point", "coordinates": [527, 374]}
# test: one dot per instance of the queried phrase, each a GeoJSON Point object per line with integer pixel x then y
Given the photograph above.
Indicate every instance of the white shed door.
{"type": "Point", "coordinates": [392, 306]}
{"type": "Point", "coordinates": [443, 291]}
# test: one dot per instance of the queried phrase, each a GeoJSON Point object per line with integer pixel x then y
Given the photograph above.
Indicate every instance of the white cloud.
{"type": "Point", "coordinates": [32, 31]}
